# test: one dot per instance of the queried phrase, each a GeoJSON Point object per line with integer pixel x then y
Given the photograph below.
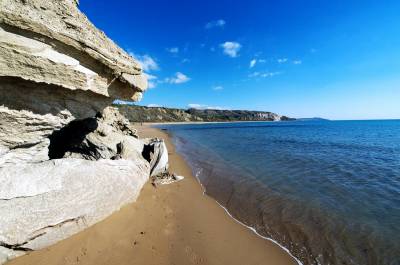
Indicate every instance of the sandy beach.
{"type": "Point", "coordinates": [170, 224]}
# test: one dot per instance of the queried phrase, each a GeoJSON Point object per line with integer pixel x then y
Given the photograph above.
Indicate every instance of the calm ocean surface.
{"type": "Point", "coordinates": [329, 191]}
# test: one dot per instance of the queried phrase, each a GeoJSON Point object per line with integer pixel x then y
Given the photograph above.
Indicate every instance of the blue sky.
{"type": "Point", "coordinates": [331, 59]}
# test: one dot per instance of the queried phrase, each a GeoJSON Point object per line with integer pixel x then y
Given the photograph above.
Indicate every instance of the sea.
{"type": "Point", "coordinates": [326, 191]}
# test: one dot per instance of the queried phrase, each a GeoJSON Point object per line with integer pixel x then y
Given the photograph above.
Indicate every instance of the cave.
{"type": "Point", "coordinates": [70, 138]}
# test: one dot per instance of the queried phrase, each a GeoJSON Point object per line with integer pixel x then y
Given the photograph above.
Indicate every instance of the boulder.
{"type": "Point", "coordinates": [45, 202]}
{"type": "Point", "coordinates": [155, 151]}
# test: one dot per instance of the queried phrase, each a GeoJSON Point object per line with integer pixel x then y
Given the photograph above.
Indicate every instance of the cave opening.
{"type": "Point", "coordinates": [70, 138]}
{"type": "Point", "coordinates": [148, 151]}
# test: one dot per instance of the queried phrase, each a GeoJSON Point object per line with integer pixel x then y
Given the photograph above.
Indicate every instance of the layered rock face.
{"type": "Point", "coordinates": [67, 159]}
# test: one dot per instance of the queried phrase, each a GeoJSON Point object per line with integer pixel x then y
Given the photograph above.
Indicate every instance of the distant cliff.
{"type": "Point", "coordinates": [160, 114]}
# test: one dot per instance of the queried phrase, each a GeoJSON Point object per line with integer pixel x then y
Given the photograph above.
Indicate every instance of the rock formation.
{"type": "Point", "coordinates": [67, 159]}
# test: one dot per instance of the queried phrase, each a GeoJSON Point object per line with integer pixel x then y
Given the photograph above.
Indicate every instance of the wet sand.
{"type": "Point", "coordinates": [171, 224]}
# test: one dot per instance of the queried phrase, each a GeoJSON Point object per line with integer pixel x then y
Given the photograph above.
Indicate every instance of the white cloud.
{"type": "Point", "coordinates": [270, 74]}
{"type": "Point", "coordinates": [253, 63]}
{"type": "Point", "coordinates": [185, 60]}
{"type": "Point", "coordinates": [146, 61]}
{"type": "Point", "coordinates": [216, 107]}
{"type": "Point", "coordinates": [148, 64]}
{"type": "Point", "coordinates": [282, 60]}
{"type": "Point", "coordinates": [264, 74]}
{"type": "Point", "coordinates": [254, 74]}
{"type": "Point", "coordinates": [151, 80]}
{"type": "Point", "coordinates": [297, 62]}
{"type": "Point", "coordinates": [220, 23]}
{"type": "Point", "coordinates": [196, 106]}
{"type": "Point", "coordinates": [179, 78]}
{"type": "Point", "coordinates": [153, 106]}
{"type": "Point", "coordinates": [202, 106]}
{"type": "Point", "coordinates": [231, 48]}
{"type": "Point", "coordinates": [123, 102]}
{"type": "Point", "coordinates": [262, 60]}
{"type": "Point", "coordinates": [218, 88]}
{"type": "Point", "coordinates": [173, 50]}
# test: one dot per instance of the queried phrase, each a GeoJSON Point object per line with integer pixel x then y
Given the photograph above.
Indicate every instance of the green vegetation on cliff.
{"type": "Point", "coordinates": [160, 114]}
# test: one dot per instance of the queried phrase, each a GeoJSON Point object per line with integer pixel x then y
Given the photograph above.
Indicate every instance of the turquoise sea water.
{"type": "Point", "coordinates": [329, 191]}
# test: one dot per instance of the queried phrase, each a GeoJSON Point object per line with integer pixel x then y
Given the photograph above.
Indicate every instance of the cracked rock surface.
{"type": "Point", "coordinates": [67, 159]}
{"type": "Point", "coordinates": [41, 202]}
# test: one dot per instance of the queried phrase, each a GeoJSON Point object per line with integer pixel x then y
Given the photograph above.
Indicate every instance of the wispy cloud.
{"type": "Point", "coordinates": [151, 80]}
{"type": "Point", "coordinates": [202, 106]}
{"type": "Point", "coordinates": [220, 23]}
{"type": "Point", "coordinates": [264, 74]}
{"type": "Point", "coordinates": [282, 60]}
{"type": "Point", "coordinates": [146, 61]}
{"type": "Point", "coordinates": [196, 106]}
{"type": "Point", "coordinates": [179, 78]}
{"type": "Point", "coordinates": [153, 106]}
{"type": "Point", "coordinates": [231, 48]}
{"type": "Point", "coordinates": [185, 60]}
{"type": "Point", "coordinates": [148, 64]}
{"type": "Point", "coordinates": [253, 63]}
{"type": "Point", "coordinates": [297, 62]}
{"type": "Point", "coordinates": [123, 102]}
{"type": "Point", "coordinates": [218, 87]}
{"type": "Point", "coordinates": [173, 50]}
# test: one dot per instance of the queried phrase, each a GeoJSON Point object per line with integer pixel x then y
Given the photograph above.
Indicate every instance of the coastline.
{"type": "Point", "coordinates": [198, 122]}
{"type": "Point", "coordinates": [170, 224]}
{"type": "Point", "coordinates": [266, 179]}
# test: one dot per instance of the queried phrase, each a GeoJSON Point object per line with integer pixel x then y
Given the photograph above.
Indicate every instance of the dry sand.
{"type": "Point", "coordinates": [170, 224]}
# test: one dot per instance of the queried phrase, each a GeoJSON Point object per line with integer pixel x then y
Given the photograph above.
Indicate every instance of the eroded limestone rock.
{"type": "Point", "coordinates": [55, 67]}
{"type": "Point", "coordinates": [155, 151]}
{"type": "Point", "coordinates": [61, 25]}
{"type": "Point", "coordinates": [67, 159]}
{"type": "Point", "coordinates": [43, 203]}
{"type": "Point", "coordinates": [100, 137]}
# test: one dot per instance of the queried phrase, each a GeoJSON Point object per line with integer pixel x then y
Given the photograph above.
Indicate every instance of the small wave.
{"type": "Point", "coordinates": [258, 234]}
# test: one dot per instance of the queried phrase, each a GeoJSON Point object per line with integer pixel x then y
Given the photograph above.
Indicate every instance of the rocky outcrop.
{"type": "Point", "coordinates": [55, 36]}
{"type": "Point", "coordinates": [67, 159]}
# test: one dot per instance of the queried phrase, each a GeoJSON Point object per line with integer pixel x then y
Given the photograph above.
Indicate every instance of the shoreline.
{"type": "Point", "coordinates": [168, 138]}
{"type": "Point", "coordinates": [170, 224]}
{"type": "Point", "coordinates": [251, 228]}
{"type": "Point", "coordinates": [232, 177]}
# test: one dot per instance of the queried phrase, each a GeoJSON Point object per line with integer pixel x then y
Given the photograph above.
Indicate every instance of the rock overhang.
{"type": "Point", "coordinates": [58, 35]}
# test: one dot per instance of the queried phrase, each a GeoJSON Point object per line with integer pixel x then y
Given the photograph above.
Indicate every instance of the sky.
{"type": "Point", "coordinates": [331, 59]}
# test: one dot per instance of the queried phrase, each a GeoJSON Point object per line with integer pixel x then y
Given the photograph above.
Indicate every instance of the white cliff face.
{"type": "Point", "coordinates": [63, 26]}
{"type": "Point", "coordinates": [67, 159]}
